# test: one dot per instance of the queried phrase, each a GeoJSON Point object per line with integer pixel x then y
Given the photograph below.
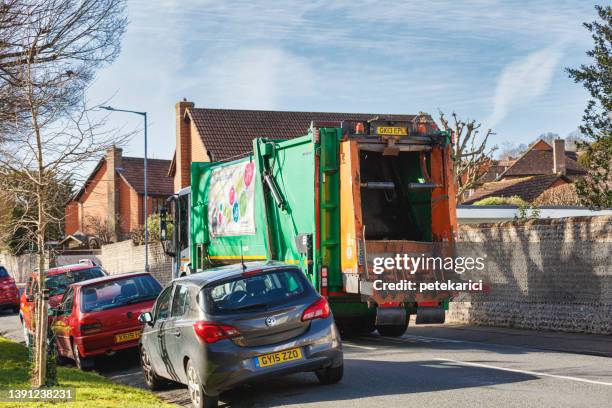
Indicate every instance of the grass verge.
{"type": "Point", "coordinates": [92, 390]}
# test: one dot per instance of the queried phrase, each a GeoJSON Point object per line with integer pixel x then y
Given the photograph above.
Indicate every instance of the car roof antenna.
{"type": "Point", "coordinates": [244, 267]}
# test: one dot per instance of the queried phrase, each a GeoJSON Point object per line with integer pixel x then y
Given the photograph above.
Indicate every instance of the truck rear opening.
{"type": "Point", "coordinates": [395, 200]}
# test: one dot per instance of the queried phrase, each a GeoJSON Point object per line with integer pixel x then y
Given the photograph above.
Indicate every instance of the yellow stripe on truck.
{"type": "Point", "coordinates": [250, 257]}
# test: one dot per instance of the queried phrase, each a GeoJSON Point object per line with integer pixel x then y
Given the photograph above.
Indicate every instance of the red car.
{"type": "Point", "coordinates": [57, 281]}
{"type": "Point", "coordinates": [9, 294]}
{"type": "Point", "coordinates": [100, 316]}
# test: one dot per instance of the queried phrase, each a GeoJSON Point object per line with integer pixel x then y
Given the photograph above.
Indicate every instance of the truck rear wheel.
{"type": "Point", "coordinates": [394, 330]}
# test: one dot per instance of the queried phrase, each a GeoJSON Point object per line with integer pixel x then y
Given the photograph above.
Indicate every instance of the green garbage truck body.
{"type": "Point", "coordinates": [325, 202]}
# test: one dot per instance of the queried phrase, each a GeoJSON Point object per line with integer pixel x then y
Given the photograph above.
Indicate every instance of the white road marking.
{"type": "Point", "coordinates": [429, 339]}
{"type": "Point", "coordinates": [563, 377]}
{"type": "Point", "coordinates": [357, 346]}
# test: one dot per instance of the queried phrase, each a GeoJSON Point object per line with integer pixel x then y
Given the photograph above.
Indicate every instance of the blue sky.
{"type": "Point", "coordinates": [501, 62]}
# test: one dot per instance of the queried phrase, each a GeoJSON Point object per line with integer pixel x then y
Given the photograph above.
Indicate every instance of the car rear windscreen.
{"type": "Point", "coordinates": [3, 272]}
{"type": "Point", "coordinates": [57, 284]}
{"type": "Point", "coordinates": [119, 292]}
{"type": "Point", "coordinates": [256, 292]}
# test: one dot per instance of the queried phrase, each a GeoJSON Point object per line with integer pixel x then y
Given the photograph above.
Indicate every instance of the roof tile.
{"type": "Point", "coordinates": [157, 171]}
{"type": "Point", "coordinates": [528, 188]}
{"type": "Point", "coordinates": [228, 133]}
{"type": "Point", "coordinates": [536, 161]}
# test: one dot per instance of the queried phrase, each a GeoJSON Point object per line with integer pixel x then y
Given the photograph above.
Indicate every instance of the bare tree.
{"type": "Point", "coordinates": [49, 51]}
{"type": "Point", "coordinates": [100, 230]}
{"type": "Point", "coordinates": [471, 157]}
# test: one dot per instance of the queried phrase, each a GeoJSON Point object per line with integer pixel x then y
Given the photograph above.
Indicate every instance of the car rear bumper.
{"type": "Point", "coordinates": [225, 366]}
{"type": "Point", "coordinates": [104, 343]}
{"type": "Point", "coordinates": [9, 301]}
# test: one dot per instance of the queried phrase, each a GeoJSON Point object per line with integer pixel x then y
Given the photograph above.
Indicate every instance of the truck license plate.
{"type": "Point", "coordinates": [123, 337]}
{"type": "Point", "coordinates": [278, 358]}
{"type": "Point", "coordinates": [392, 131]}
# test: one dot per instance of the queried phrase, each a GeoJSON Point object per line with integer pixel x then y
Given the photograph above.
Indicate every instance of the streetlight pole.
{"type": "Point", "coordinates": [146, 185]}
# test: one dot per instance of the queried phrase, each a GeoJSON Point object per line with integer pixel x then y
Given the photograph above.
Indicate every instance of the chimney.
{"type": "Point", "coordinates": [182, 175]}
{"type": "Point", "coordinates": [559, 156]}
{"type": "Point", "coordinates": [114, 161]}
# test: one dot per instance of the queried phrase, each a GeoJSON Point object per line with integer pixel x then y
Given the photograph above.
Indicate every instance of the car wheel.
{"type": "Point", "coordinates": [330, 375]}
{"type": "Point", "coordinates": [81, 363]}
{"type": "Point", "coordinates": [154, 382]}
{"type": "Point", "coordinates": [198, 398]}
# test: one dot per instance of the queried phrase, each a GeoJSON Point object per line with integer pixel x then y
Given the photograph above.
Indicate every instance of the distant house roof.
{"type": "Point", "coordinates": [528, 188]}
{"type": "Point", "coordinates": [227, 133]}
{"type": "Point", "coordinates": [539, 160]}
{"type": "Point", "coordinates": [157, 171]}
{"type": "Point", "coordinates": [494, 169]}
{"type": "Point", "coordinates": [159, 182]}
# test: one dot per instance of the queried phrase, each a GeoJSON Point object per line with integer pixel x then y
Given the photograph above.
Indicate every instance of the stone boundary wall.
{"type": "Point", "coordinates": [546, 274]}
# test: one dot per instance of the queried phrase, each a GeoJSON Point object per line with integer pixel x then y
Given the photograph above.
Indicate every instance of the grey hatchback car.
{"type": "Point", "coordinates": [217, 329]}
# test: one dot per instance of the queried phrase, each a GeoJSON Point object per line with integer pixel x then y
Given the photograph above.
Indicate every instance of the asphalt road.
{"type": "Point", "coordinates": [431, 366]}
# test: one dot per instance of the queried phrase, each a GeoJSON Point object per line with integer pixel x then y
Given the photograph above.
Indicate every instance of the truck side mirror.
{"type": "Point", "coordinates": [163, 224]}
{"type": "Point", "coordinates": [164, 234]}
{"type": "Point", "coordinates": [163, 230]}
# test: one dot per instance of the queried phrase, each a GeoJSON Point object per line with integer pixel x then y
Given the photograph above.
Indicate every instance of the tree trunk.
{"type": "Point", "coordinates": [40, 366]}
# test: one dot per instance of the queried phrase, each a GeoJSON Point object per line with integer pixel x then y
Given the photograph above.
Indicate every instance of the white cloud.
{"type": "Point", "coordinates": [253, 78]}
{"type": "Point", "coordinates": [524, 80]}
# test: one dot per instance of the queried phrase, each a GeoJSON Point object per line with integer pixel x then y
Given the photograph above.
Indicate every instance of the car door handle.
{"type": "Point", "coordinates": [177, 333]}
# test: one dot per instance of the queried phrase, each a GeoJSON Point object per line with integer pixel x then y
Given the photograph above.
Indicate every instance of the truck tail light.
{"type": "Point", "coordinates": [211, 332]}
{"type": "Point", "coordinates": [90, 327]}
{"type": "Point", "coordinates": [324, 277]}
{"type": "Point", "coordinates": [318, 310]}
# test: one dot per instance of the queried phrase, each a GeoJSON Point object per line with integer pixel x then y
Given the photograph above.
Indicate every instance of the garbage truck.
{"type": "Point", "coordinates": [328, 202]}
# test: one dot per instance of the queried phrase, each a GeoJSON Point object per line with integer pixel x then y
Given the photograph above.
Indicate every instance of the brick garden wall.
{"type": "Point", "coordinates": [125, 257]}
{"type": "Point", "coordinates": [19, 267]}
{"type": "Point", "coordinates": [551, 274]}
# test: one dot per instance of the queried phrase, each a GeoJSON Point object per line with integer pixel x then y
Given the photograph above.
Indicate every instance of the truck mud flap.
{"type": "Point", "coordinates": [430, 315]}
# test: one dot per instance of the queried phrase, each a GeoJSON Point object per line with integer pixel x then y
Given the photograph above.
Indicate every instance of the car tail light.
{"type": "Point", "coordinates": [213, 332]}
{"type": "Point", "coordinates": [90, 327]}
{"type": "Point", "coordinates": [318, 310]}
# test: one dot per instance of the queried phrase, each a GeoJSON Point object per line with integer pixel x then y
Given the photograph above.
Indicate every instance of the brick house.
{"type": "Point", "coordinates": [113, 196]}
{"type": "Point", "coordinates": [541, 168]}
{"type": "Point", "coordinates": [204, 134]}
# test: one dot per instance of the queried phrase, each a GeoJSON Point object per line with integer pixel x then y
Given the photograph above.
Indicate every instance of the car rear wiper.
{"type": "Point", "coordinates": [138, 300]}
{"type": "Point", "coordinates": [246, 307]}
